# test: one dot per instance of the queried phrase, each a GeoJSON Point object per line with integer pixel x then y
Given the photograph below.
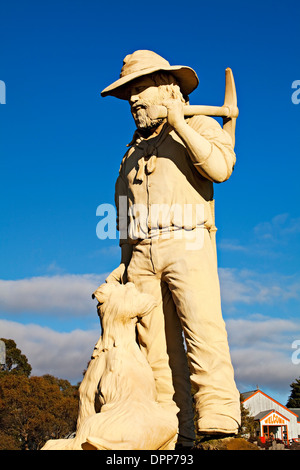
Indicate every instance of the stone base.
{"type": "Point", "coordinates": [226, 443]}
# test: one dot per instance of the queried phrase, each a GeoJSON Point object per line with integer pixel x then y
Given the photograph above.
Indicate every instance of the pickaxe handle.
{"type": "Point", "coordinates": [157, 112]}
{"type": "Point", "coordinates": [229, 111]}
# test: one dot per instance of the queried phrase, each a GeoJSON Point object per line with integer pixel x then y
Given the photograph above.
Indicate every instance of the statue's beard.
{"type": "Point", "coordinates": [139, 108]}
{"type": "Point", "coordinates": [141, 118]}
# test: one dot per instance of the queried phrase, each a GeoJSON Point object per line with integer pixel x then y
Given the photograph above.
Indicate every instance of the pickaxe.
{"type": "Point", "coordinates": [229, 111]}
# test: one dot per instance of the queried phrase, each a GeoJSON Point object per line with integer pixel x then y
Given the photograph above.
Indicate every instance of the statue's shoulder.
{"type": "Point", "coordinates": [203, 123]}
{"type": "Point", "coordinates": [210, 128]}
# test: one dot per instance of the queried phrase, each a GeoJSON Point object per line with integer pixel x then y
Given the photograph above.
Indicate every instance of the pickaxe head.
{"type": "Point", "coordinates": [230, 102]}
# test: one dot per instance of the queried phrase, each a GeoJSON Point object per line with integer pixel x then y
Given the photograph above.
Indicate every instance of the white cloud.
{"type": "Point", "coordinates": [263, 330]}
{"type": "Point", "coordinates": [63, 355]}
{"type": "Point", "coordinates": [261, 346]}
{"type": "Point", "coordinates": [261, 350]}
{"type": "Point", "coordinates": [69, 292]}
{"type": "Point", "coordinates": [279, 228]}
{"type": "Point", "coordinates": [249, 287]}
{"type": "Point", "coordinates": [270, 239]}
{"type": "Point", "coordinates": [231, 245]}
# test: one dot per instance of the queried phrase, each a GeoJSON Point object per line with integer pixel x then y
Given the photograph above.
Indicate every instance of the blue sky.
{"type": "Point", "coordinates": [61, 145]}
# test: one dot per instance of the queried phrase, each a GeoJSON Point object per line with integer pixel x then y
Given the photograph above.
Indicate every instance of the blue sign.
{"type": "Point", "coordinates": [2, 92]}
{"type": "Point", "coordinates": [2, 353]}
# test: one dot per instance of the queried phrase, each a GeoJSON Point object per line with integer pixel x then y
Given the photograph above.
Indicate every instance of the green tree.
{"type": "Point", "coordinates": [294, 399]}
{"type": "Point", "coordinates": [16, 362]}
{"type": "Point", "coordinates": [35, 409]}
{"type": "Point", "coordinates": [248, 424]}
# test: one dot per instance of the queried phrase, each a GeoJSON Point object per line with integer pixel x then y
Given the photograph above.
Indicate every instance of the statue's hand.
{"type": "Point", "coordinates": [118, 275]}
{"type": "Point", "coordinates": [175, 113]}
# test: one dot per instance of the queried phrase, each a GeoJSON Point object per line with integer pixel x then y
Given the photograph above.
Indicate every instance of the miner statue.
{"type": "Point", "coordinates": [167, 238]}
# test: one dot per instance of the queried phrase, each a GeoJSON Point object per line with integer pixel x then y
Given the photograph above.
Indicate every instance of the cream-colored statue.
{"type": "Point", "coordinates": [165, 202]}
{"type": "Point", "coordinates": [130, 417]}
{"type": "Point", "coordinates": [167, 237]}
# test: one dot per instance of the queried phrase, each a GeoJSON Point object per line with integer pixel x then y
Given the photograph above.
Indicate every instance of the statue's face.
{"type": "Point", "coordinates": [144, 93]}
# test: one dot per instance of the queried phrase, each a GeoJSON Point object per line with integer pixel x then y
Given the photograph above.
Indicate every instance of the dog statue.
{"type": "Point", "coordinates": [130, 418]}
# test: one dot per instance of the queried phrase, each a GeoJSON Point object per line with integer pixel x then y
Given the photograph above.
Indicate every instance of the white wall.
{"type": "Point", "coordinates": [260, 402]}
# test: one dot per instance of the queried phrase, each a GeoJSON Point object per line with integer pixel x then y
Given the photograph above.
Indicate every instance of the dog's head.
{"type": "Point", "coordinates": [120, 304]}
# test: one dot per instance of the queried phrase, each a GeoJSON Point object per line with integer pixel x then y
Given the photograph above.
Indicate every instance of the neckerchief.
{"type": "Point", "coordinates": [147, 163]}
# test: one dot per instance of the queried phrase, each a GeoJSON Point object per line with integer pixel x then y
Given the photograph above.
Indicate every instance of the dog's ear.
{"type": "Point", "coordinates": [103, 292]}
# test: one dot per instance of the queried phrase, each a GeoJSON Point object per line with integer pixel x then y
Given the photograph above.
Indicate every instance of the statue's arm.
{"type": "Point", "coordinates": [120, 273]}
{"type": "Point", "coordinates": [209, 146]}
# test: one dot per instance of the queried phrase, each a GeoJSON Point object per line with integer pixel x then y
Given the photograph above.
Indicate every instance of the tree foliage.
{"type": "Point", "coordinates": [16, 362]}
{"type": "Point", "coordinates": [248, 424]}
{"type": "Point", "coordinates": [294, 399]}
{"type": "Point", "coordinates": [34, 409]}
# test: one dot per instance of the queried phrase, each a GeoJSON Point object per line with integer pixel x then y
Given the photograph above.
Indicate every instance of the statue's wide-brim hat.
{"type": "Point", "coordinates": [142, 63]}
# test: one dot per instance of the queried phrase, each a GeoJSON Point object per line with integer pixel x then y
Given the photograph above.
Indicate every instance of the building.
{"type": "Point", "coordinates": [274, 419]}
{"type": "Point", "coordinates": [297, 411]}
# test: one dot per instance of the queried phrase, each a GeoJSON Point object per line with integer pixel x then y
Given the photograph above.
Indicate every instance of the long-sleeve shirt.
{"type": "Point", "coordinates": [161, 187]}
